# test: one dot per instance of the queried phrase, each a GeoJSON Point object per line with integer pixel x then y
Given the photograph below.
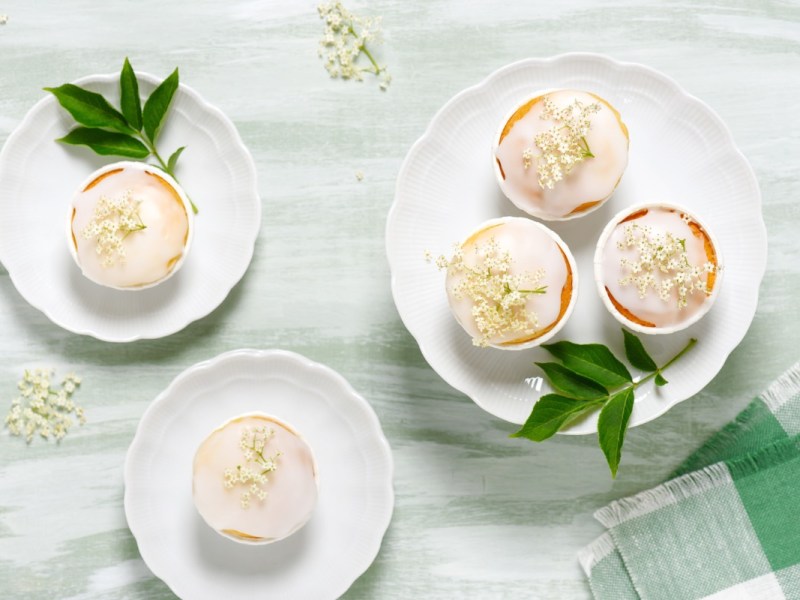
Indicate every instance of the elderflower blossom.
{"type": "Point", "coordinates": [251, 473]}
{"type": "Point", "coordinates": [3, 19]}
{"type": "Point", "coordinates": [499, 298]}
{"type": "Point", "coordinates": [42, 409]}
{"type": "Point", "coordinates": [114, 219]}
{"type": "Point", "coordinates": [664, 255]}
{"type": "Point", "coordinates": [564, 145]}
{"type": "Point", "coordinates": [344, 41]}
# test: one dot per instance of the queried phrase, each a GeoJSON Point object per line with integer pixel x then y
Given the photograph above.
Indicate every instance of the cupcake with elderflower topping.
{"type": "Point", "coordinates": [255, 479]}
{"type": "Point", "coordinates": [511, 284]}
{"type": "Point", "coordinates": [561, 154]}
{"type": "Point", "coordinates": [129, 226]}
{"type": "Point", "coordinates": [658, 268]}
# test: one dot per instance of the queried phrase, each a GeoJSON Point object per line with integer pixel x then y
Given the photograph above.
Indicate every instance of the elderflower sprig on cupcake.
{"type": "Point", "coordinates": [564, 145]}
{"type": "Point", "coordinates": [114, 220]}
{"type": "Point", "coordinates": [589, 378]}
{"type": "Point", "coordinates": [345, 41]}
{"type": "Point", "coordinates": [498, 297]}
{"type": "Point", "coordinates": [664, 254]}
{"type": "Point", "coordinates": [130, 132]}
{"type": "Point", "coordinates": [252, 472]}
{"type": "Point", "coordinates": [42, 408]}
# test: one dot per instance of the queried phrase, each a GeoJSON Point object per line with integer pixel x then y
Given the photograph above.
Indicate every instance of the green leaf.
{"type": "Point", "coordinates": [594, 361]}
{"type": "Point", "coordinates": [612, 424]}
{"type": "Point", "coordinates": [660, 380]}
{"type": "Point", "coordinates": [637, 355]}
{"type": "Point", "coordinates": [571, 384]}
{"type": "Point", "coordinates": [106, 142]}
{"type": "Point", "coordinates": [157, 105]}
{"type": "Point", "coordinates": [173, 160]}
{"type": "Point", "coordinates": [130, 102]}
{"type": "Point", "coordinates": [550, 413]}
{"type": "Point", "coordinates": [88, 108]}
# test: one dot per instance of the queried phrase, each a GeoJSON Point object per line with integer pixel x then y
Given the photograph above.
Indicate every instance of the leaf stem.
{"type": "Point", "coordinates": [152, 147]}
{"type": "Point", "coordinates": [660, 370]}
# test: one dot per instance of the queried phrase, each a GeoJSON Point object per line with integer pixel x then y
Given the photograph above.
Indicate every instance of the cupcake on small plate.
{"type": "Point", "coordinates": [658, 268]}
{"type": "Point", "coordinates": [255, 479]}
{"type": "Point", "coordinates": [511, 284]}
{"type": "Point", "coordinates": [129, 226]}
{"type": "Point", "coordinates": [561, 154]}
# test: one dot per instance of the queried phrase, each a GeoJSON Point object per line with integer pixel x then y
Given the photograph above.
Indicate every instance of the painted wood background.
{"type": "Point", "coordinates": [477, 515]}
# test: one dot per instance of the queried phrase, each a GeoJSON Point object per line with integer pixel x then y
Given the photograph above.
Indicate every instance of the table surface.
{"type": "Point", "coordinates": [477, 515]}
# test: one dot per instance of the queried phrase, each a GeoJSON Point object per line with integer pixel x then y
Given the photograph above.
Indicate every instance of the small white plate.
{"type": "Point", "coordinates": [680, 152]}
{"type": "Point", "coordinates": [39, 176]}
{"type": "Point", "coordinates": [356, 499]}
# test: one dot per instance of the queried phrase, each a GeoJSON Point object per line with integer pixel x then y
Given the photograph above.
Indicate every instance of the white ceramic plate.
{"type": "Point", "coordinates": [39, 176]}
{"type": "Point", "coordinates": [680, 152]}
{"type": "Point", "coordinates": [355, 479]}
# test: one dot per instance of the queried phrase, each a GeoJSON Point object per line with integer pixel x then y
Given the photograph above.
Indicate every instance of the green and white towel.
{"type": "Point", "coordinates": [727, 525]}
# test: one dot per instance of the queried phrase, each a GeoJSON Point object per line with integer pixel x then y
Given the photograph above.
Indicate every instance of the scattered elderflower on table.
{"type": "Point", "coordinates": [3, 19]}
{"type": "Point", "coordinates": [42, 409]}
{"type": "Point", "coordinates": [345, 40]}
{"type": "Point", "coordinates": [252, 472]}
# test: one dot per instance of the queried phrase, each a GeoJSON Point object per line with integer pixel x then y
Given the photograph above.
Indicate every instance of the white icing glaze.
{"type": "Point", "coordinates": [594, 179]}
{"type": "Point", "coordinates": [532, 247]}
{"type": "Point", "coordinates": [651, 308]}
{"type": "Point", "coordinates": [152, 253]}
{"type": "Point", "coordinates": [291, 488]}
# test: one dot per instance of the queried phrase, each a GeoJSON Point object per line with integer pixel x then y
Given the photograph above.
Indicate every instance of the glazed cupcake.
{"type": "Point", "coordinates": [561, 154]}
{"type": "Point", "coordinates": [658, 268]}
{"type": "Point", "coordinates": [511, 284]}
{"type": "Point", "coordinates": [129, 226]}
{"type": "Point", "coordinates": [255, 479]}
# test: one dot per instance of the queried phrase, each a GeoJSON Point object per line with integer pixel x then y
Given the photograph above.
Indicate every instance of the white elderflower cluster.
{"type": "Point", "coordinates": [3, 19]}
{"type": "Point", "coordinates": [498, 297]}
{"type": "Point", "coordinates": [114, 219]}
{"type": "Point", "coordinates": [564, 145]}
{"type": "Point", "coordinates": [252, 473]}
{"type": "Point", "coordinates": [42, 409]}
{"type": "Point", "coordinates": [665, 255]}
{"type": "Point", "coordinates": [345, 40]}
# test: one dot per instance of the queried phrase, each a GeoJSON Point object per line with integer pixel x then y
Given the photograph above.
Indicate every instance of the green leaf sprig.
{"type": "Point", "coordinates": [130, 132]}
{"type": "Point", "coordinates": [591, 377]}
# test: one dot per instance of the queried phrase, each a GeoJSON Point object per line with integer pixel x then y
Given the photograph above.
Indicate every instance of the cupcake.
{"type": "Point", "coordinates": [129, 226]}
{"type": "Point", "coordinates": [561, 154]}
{"type": "Point", "coordinates": [511, 284]}
{"type": "Point", "coordinates": [658, 268]}
{"type": "Point", "coordinates": [255, 479]}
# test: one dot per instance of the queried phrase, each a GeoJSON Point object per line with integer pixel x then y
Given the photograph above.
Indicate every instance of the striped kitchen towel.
{"type": "Point", "coordinates": [726, 525]}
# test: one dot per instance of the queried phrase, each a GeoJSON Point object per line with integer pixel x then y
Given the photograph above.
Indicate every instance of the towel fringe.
{"type": "Point", "coordinates": [667, 493]}
{"type": "Point", "coordinates": [592, 554]}
{"type": "Point", "coordinates": [765, 458]}
{"type": "Point", "coordinates": [782, 389]}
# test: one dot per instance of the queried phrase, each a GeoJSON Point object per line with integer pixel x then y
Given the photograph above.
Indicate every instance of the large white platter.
{"type": "Point", "coordinates": [680, 152]}
{"type": "Point", "coordinates": [38, 177]}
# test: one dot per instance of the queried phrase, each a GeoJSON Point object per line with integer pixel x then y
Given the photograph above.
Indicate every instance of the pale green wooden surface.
{"type": "Point", "coordinates": [477, 515]}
